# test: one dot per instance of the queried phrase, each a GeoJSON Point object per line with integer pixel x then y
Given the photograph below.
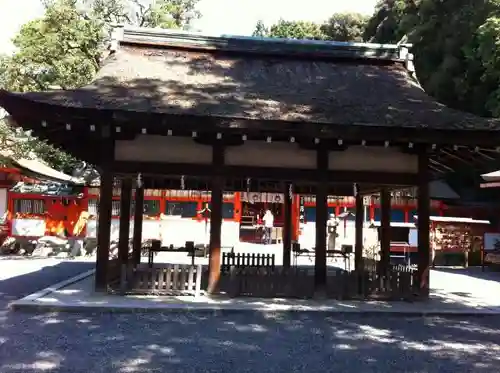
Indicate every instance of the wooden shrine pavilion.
{"type": "Point", "coordinates": [185, 111]}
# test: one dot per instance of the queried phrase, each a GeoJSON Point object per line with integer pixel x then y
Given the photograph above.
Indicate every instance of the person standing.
{"type": "Point", "coordinates": [268, 220]}
{"type": "Point", "coordinates": [332, 225]}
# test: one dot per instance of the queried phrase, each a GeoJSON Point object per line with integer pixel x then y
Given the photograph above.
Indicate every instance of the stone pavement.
{"type": "Point", "coordinates": [454, 292]}
{"type": "Point", "coordinates": [21, 276]}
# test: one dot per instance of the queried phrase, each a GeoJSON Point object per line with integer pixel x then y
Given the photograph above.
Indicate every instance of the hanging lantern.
{"type": "Point", "coordinates": [139, 180]}
{"type": "Point", "coordinates": [290, 191]}
{"type": "Point", "coordinates": [248, 185]}
{"type": "Point", "coordinates": [183, 184]}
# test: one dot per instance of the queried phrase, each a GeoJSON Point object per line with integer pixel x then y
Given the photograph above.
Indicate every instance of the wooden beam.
{"type": "Point", "coordinates": [478, 151]}
{"type": "Point", "coordinates": [423, 209]}
{"type": "Point", "coordinates": [239, 184]}
{"type": "Point", "coordinates": [488, 157]}
{"type": "Point", "coordinates": [436, 169]}
{"type": "Point", "coordinates": [105, 150]}
{"type": "Point", "coordinates": [491, 150]}
{"type": "Point", "coordinates": [439, 164]}
{"type": "Point", "coordinates": [214, 260]}
{"type": "Point", "coordinates": [321, 219]}
{"type": "Point", "coordinates": [454, 156]}
{"type": "Point", "coordinates": [138, 218]}
{"type": "Point", "coordinates": [104, 230]}
{"type": "Point", "coordinates": [385, 230]}
{"type": "Point", "coordinates": [124, 230]}
{"type": "Point", "coordinates": [26, 110]}
{"type": "Point", "coordinates": [359, 220]}
{"type": "Point", "coordinates": [287, 226]}
{"type": "Point", "coordinates": [270, 173]}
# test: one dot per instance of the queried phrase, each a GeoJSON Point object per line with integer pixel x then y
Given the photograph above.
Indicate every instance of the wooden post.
{"type": "Point", "coordinates": [287, 227]}
{"type": "Point", "coordinates": [138, 217]}
{"type": "Point", "coordinates": [358, 249]}
{"type": "Point", "coordinates": [321, 219]}
{"type": "Point", "coordinates": [385, 230]}
{"type": "Point", "coordinates": [124, 232]}
{"type": "Point", "coordinates": [104, 230]}
{"type": "Point", "coordinates": [423, 210]}
{"type": "Point", "coordinates": [215, 222]}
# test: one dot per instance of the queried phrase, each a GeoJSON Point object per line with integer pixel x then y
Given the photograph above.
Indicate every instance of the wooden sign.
{"type": "Point", "coordinates": [255, 197]}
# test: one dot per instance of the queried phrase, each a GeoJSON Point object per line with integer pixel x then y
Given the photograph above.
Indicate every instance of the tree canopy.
{"type": "Point", "coordinates": [339, 27]}
{"type": "Point", "coordinates": [145, 13]}
{"type": "Point", "coordinates": [63, 50]}
{"type": "Point", "coordinates": [456, 44]}
{"type": "Point", "coordinates": [345, 27]}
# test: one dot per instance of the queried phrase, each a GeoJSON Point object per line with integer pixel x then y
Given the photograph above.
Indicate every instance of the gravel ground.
{"type": "Point", "coordinates": [246, 343]}
{"type": "Point", "coordinates": [230, 343]}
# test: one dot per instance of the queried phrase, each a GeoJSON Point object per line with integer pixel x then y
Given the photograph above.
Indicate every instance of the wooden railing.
{"type": "Point", "coordinates": [165, 279]}
{"type": "Point", "coordinates": [267, 282]}
{"type": "Point", "coordinates": [399, 283]}
{"type": "Point", "coordinates": [246, 260]}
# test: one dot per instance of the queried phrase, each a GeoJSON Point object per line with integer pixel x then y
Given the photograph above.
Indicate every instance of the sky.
{"type": "Point", "coordinates": [236, 17]}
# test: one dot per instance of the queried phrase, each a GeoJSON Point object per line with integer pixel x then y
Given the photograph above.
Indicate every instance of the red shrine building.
{"type": "Point", "coordinates": [178, 111]}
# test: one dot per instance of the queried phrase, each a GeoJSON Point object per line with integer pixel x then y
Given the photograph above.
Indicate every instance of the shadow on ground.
{"type": "Point", "coordinates": [257, 342]}
{"type": "Point", "coordinates": [41, 273]}
{"type": "Point", "coordinates": [243, 342]}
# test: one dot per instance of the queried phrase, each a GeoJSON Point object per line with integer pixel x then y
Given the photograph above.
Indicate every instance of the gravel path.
{"type": "Point", "coordinates": [232, 343]}
{"type": "Point", "coordinates": [246, 343]}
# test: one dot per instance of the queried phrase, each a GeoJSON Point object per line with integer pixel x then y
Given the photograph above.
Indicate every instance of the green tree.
{"type": "Point", "coordinates": [391, 21]}
{"type": "Point", "coordinates": [63, 49]}
{"type": "Point", "coordinates": [345, 27]}
{"type": "Point", "coordinates": [260, 29]}
{"type": "Point", "coordinates": [339, 27]}
{"type": "Point", "coordinates": [456, 44]}
{"type": "Point", "coordinates": [16, 143]}
{"type": "Point", "coordinates": [146, 13]}
{"type": "Point", "coordinates": [296, 30]}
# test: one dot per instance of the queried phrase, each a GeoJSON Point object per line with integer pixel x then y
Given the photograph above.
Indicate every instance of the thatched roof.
{"type": "Point", "coordinates": [341, 84]}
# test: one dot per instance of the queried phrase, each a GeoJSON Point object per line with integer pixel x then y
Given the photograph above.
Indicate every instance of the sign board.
{"type": "Point", "coordinates": [28, 227]}
{"type": "Point", "coordinates": [255, 197]}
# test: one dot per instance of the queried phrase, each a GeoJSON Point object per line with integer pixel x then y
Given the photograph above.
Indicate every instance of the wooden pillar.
{"type": "Point", "coordinates": [423, 211]}
{"type": "Point", "coordinates": [124, 232]}
{"type": "Point", "coordinates": [321, 219]}
{"type": "Point", "coordinates": [385, 230]}
{"type": "Point", "coordinates": [104, 229]}
{"type": "Point", "coordinates": [358, 249]}
{"type": "Point", "coordinates": [138, 217]}
{"type": "Point", "coordinates": [287, 226]}
{"type": "Point", "coordinates": [215, 222]}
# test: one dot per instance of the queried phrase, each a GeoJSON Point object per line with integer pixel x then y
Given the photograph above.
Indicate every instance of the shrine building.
{"type": "Point", "coordinates": [182, 110]}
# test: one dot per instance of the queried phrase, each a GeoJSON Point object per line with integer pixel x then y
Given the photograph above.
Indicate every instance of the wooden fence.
{"type": "Point", "coordinates": [267, 282]}
{"type": "Point", "coordinates": [165, 279]}
{"type": "Point", "coordinates": [247, 260]}
{"type": "Point", "coordinates": [400, 283]}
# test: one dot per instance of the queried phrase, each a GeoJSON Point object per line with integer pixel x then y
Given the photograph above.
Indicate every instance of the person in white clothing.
{"type": "Point", "coordinates": [332, 225]}
{"type": "Point", "coordinates": [268, 220]}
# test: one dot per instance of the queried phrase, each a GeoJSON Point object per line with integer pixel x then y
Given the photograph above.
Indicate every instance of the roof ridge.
{"type": "Point", "coordinates": [155, 37]}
